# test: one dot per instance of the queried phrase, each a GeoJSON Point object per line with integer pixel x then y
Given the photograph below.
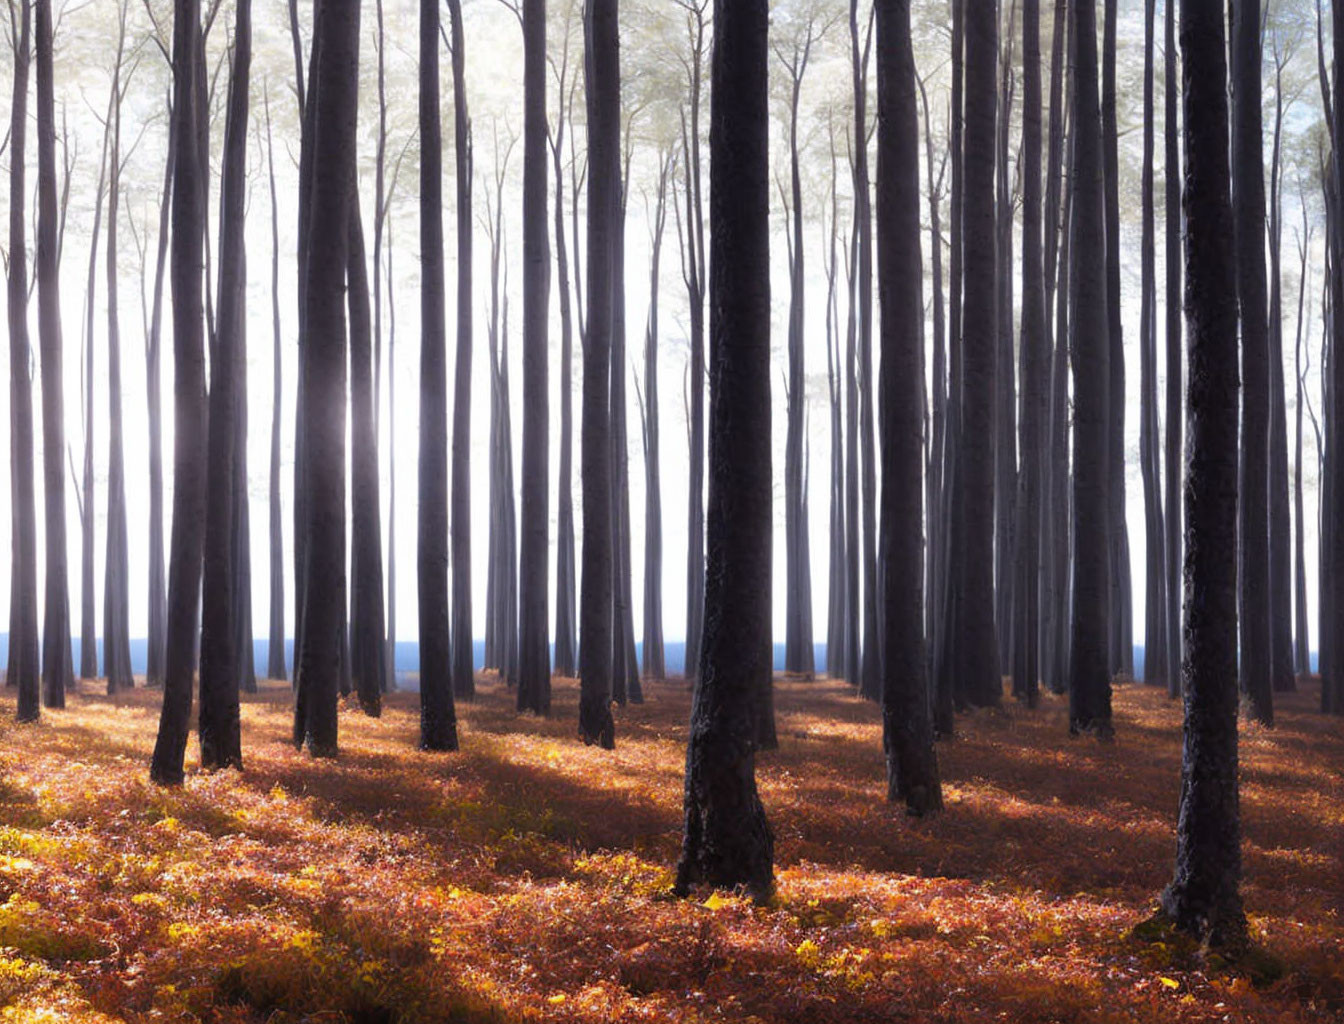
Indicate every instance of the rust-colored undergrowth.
{"type": "Point", "coordinates": [527, 877]}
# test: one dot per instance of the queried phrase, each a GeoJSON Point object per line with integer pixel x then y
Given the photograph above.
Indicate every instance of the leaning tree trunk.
{"type": "Point", "coordinates": [1248, 203]}
{"type": "Point", "coordinates": [727, 840]}
{"type": "Point", "coordinates": [602, 53]}
{"type": "Point", "coordinates": [1202, 898]}
{"type": "Point", "coordinates": [463, 648]}
{"type": "Point", "coordinates": [438, 719]}
{"type": "Point", "coordinates": [907, 728]}
{"type": "Point", "coordinates": [25, 667]}
{"type": "Point", "coordinates": [1090, 658]}
{"type": "Point", "coordinates": [220, 723]}
{"type": "Point", "coordinates": [1035, 376]}
{"type": "Point", "coordinates": [534, 654]}
{"type": "Point", "coordinates": [188, 244]}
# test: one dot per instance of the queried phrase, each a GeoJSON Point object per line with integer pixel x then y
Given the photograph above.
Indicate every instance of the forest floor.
{"type": "Point", "coordinates": [527, 878]}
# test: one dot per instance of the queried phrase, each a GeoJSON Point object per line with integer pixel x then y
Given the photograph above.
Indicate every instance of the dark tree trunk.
{"type": "Point", "coordinates": [1122, 605]}
{"type": "Point", "coordinates": [367, 659]}
{"type": "Point", "coordinates": [1005, 386]}
{"type": "Point", "coordinates": [1155, 570]}
{"type": "Point", "coordinates": [602, 55]}
{"type": "Point", "coordinates": [1202, 898]}
{"type": "Point", "coordinates": [188, 245]}
{"type": "Point", "coordinates": [1172, 165]}
{"type": "Point", "coordinates": [727, 840]}
{"type": "Point", "coordinates": [976, 640]}
{"type": "Point", "coordinates": [463, 665]}
{"type": "Point", "coordinates": [1332, 631]}
{"type": "Point", "coordinates": [438, 719]}
{"type": "Point", "coordinates": [57, 663]}
{"type": "Point", "coordinates": [1090, 660]}
{"type": "Point", "coordinates": [534, 652]}
{"type": "Point", "coordinates": [220, 724]}
{"type": "Point", "coordinates": [655, 666]}
{"type": "Point", "coordinates": [1248, 201]}
{"type": "Point", "coordinates": [907, 728]}
{"type": "Point", "coordinates": [1035, 375]}
{"type": "Point", "coordinates": [275, 657]}
{"type": "Point", "coordinates": [333, 100]}
{"type": "Point", "coordinates": [1280, 526]}
{"type": "Point", "coordinates": [25, 667]}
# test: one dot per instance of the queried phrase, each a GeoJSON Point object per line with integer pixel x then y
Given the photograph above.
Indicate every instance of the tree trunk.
{"type": "Point", "coordinates": [1122, 603]}
{"type": "Point", "coordinates": [1090, 348]}
{"type": "Point", "coordinates": [601, 48]}
{"type": "Point", "coordinates": [1302, 635]}
{"type": "Point", "coordinates": [1248, 201]}
{"type": "Point", "coordinates": [837, 616]}
{"type": "Point", "coordinates": [220, 724]}
{"type": "Point", "coordinates": [907, 729]}
{"type": "Point", "coordinates": [1173, 454]}
{"type": "Point", "coordinates": [275, 655]}
{"type": "Point", "coordinates": [25, 669]}
{"type": "Point", "coordinates": [1005, 387]}
{"type": "Point", "coordinates": [333, 103]}
{"type": "Point", "coordinates": [463, 647]}
{"type": "Point", "coordinates": [1025, 624]}
{"type": "Point", "coordinates": [655, 666]}
{"type": "Point", "coordinates": [1202, 898]}
{"type": "Point", "coordinates": [438, 719]}
{"type": "Point", "coordinates": [534, 652]}
{"type": "Point", "coordinates": [566, 611]}
{"type": "Point", "coordinates": [1280, 527]}
{"type": "Point", "coordinates": [188, 242]}
{"type": "Point", "coordinates": [977, 642]}
{"type": "Point", "coordinates": [1155, 569]}
{"type": "Point", "coordinates": [727, 840]}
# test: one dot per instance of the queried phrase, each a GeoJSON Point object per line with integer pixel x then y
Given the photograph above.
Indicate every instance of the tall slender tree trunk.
{"type": "Point", "coordinates": [534, 651]}
{"type": "Point", "coordinates": [727, 840]}
{"type": "Point", "coordinates": [837, 617]}
{"type": "Point", "coordinates": [1280, 525]}
{"type": "Point", "coordinates": [1202, 898]}
{"type": "Point", "coordinates": [655, 666]}
{"type": "Point", "coordinates": [1248, 200]}
{"type": "Point", "coordinates": [1302, 634]}
{"type": "Point", "coordinates": [1332, 630]}
{"type": "Point", "coordinates": [566, 610]}
{"type": "Point", "coordinates": [220, 724]}
{"type": "Point", "coordinates": [275, 657]}
{"type": "Point", "coordinates": [438, 719]}
{"type": "Point", "coordinates": [25, 669]}
{"type": "Point", "coordinates": [1173, 454]}
{"type": "Point", "coordinates": [1155, 569]}
{"type": "Point", "coordinates": [463, 665]}
{"type": "Point", "coordinates": [188, 244]}
{"type": "Point", "coordinates": [602, 55]}
{"type": "Point", "coordinates": [1090, 659]}
{"type": "Point", "coordinates": [1025, 624]}
{"type": "Point", "coordinates": [1122, 603]}
{"type": "Point", "coordinates": [907, 728]}
{"type": "Point", "coordinates": [1005, 386]}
